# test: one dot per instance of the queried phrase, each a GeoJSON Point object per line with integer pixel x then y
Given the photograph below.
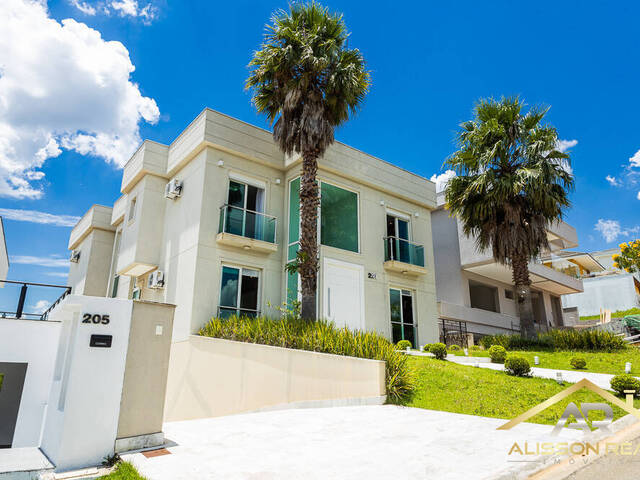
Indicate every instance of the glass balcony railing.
{"type": "Point", "coordinates": [404, 251]}
{"type": "Point", "coordinates": [247, 223]}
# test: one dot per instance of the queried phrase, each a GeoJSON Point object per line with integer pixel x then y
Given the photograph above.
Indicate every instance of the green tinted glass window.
{"type": "Point", "coordinates": [338, 218]}
{"type": "Point", "coordinates": [294, 210]}
{"type": "Point", "coordinates": [292, 288]}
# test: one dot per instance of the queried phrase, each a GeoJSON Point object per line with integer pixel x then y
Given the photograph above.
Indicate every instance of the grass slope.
{"type": "Point", "coordinates": [123, 471]}
{"type": "Point", "coordinates": [597, 362]}
{"type": "Point", "coordinates": [618, 314]}
{"type": "Point", "coordinates": [450, 387]}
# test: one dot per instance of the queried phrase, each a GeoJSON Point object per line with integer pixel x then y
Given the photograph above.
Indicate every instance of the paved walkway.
{"type": "Point", "coordinates": [370, 442]}
{"type": "Point", "coordinates": [602, 380]}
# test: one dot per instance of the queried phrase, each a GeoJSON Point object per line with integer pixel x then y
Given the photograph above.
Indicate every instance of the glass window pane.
{"type": "Point", "coordinates": [339, 218]}
{"type": "Point", "coordinates": [292, 289]}
{"type": "Point", "coordinates": [235, 220]}
{"type": "Point", "coordinates": [394, 296]}
{"type": "Point", "coordinates": [249, 290]}
{"type": "Point", "coordinates": [293, 251]}
{"type": "Point", "coordinates": [408, 330]}
{"type": "Point", "coordinates": [227, 312]}
{"type": "Point", "coordinates": [236, 194]}
{"type": "Point", "coordinates": [407, 310]}
{"type": "Point", "coordinates": [403, 229]}
{"type": "Point", "coordinates": [294, 210]}
{"type": "Point", "coordinates": [396, 330]}
{"type": "Point", "coordinates": [229, 287]}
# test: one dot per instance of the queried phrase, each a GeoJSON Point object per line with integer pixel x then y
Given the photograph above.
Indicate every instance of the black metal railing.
{"type": "Point", "coordinates": [25, 288]}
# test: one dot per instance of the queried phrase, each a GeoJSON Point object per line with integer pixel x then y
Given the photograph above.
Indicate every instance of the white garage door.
{"type": "Point", "coordinates": [343, 294]}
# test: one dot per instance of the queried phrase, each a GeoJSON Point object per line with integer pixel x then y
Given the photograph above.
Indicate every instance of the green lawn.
{"type": "Point", "coordinates": [597, 362]}
{"type": "Point", "coordinates": [450, 387]}
{"type": "Point", "coordinates": [124, 471]}
{"type": "Point", "coordinates": [618, 314]}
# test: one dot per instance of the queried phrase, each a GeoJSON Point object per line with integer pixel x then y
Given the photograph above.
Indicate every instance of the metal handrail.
{"type": "Point", "coordinates": [404, 240]}
{"type": "Point", "coordinates": [19, 313]}
{"type": "Point", "coordinates": [390, 240]}
{"type": "Point", "coordinates": [250, 211]}
{"type": "Point", "coordinates": [239, 310]}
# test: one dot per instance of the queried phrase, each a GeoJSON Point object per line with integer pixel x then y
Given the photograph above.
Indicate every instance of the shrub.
{"type": "Point", "coordinates": [623, 382]}
{"type": "Point", "coordinates": [403, 344]}
{"type": "Point", "coordinates": [517, 365]}
{"type": "Point", "coordinates": [320, 336]}
{"type": "Point", "coordinates": [587, 340]}
{"type": "Point", "coordinates": [476, 348]}
{"type": "Point", "coordinates": [439, 350]}
{"type": "Point", "coordinates": [427, 347]}
{"type": "Point", "coordinates": [454, 348]}
{"type": "Point", "coordinates": [497, 354]}
{"type": "Point", "coordinates": [578, 362]}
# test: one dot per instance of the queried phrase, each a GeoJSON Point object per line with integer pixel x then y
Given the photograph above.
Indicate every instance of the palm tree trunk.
{"type": "Point", "coordinates": [308, 267]}
{"type": "Point", "coordinates": [520, 270]}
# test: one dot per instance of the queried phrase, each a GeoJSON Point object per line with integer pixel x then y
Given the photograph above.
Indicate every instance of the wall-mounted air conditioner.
{"type": "Point", "coordinates": [75, 256]}
{"type": "Point", "coordinates": [155, 279]}
{"type": "Point", "coordinates": [173, 189]}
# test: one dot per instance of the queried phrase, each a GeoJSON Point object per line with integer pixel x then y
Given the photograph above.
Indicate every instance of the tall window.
{"type": "Point", "coordinates": [245, 203]}
{"type": "Point", "coordinates": [239, 292]}
{"type": "Point", "coordinates": [402, 323]}
{"type": "Point", "coordinates": [338, 217]}
{"type": "Point", "coordinates": [398, 238]}
{"type": "Point", "coordinates": [293, 282]}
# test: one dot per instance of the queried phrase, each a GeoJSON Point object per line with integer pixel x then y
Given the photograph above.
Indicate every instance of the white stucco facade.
{"type": "Point", "coordinates": [611, 292]}
{"type": "Point", "coordinates": [182, 237]}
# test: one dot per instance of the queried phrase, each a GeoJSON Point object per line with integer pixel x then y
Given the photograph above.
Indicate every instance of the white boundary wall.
{"type": "Point", "coordinates": [33, 342]}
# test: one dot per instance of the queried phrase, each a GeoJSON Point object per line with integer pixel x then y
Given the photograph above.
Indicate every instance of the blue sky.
{"type": "Point", "coordinates": [69, 84]}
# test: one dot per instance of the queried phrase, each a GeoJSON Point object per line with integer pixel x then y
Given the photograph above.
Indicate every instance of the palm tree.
{"type": "Point", "coordinates": [307, 81]}
{"type": "Point", "coordinates": [511, 183]}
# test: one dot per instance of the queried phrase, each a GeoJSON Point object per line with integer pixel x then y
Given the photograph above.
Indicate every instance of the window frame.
{"type": "Point", "coordinates": [240, 269]}
{"type": "Point", "coordinates": [414, 324]}
{"type": "Point", "coordinates": [133, 207]}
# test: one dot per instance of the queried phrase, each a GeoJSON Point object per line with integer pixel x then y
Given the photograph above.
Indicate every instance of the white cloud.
{"type": "Point", "coordinates": [34, 216]}
{"type": "Point", "coordinates": [611, 229]}
{"type": "Point", "coordinates": [84, 7]}
{"type": "Point", "coordinates": [49, 262]}
{"type": "Point", "coordinates": [564, 145]}
{"type": "Point", "coordinates": [638, 195]}
{"type": "Point", "coordinates": [613, 181]}
{"type": "Point", "coordinates": [62, 86]}
{"type": "Point", "coordinates": [442, 179]}
{"type": "Point", "coordinates": [635, 160]}
{"type": "Point", "coordinates": [57, 274]}
{"type": "Point", "coordinates": [40, 306]}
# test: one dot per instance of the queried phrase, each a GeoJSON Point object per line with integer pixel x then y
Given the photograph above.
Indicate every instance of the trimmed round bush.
{"type": "Point", "coordinates": [497, 353]}
{"type": "Point", "coordinates": [623, 382]}
{"type": "Point", "coordinates": [578, 363]}
{"type": "Point", "coordinates": [517, 365]}
{"type": "Point", "coordinates": [403, 344]}
{"type": "Point", "coordinates": [476, 348]}
{"type": "Point", "coordinates": [454, 348]}
{"type": "Point", "coordinates": [439, 350]}
{"type": "Point", "coordinates": [427, 347]}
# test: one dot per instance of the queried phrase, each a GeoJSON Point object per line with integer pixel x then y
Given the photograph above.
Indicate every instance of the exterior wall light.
{"type": "Point", "coordinates": [221, 163]}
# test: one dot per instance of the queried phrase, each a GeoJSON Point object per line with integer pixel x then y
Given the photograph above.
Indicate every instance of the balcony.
{"type": "Point", "coordinates": [403, 256]}
{"type": "Point", "coordinates": [247, 229]}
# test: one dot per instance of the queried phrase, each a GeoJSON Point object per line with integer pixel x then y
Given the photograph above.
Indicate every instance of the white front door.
{"type": "Point", "coordinates": [343, 294]}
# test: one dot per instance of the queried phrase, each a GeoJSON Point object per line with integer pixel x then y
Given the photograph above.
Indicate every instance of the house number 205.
{"type": "Point", "coordinates": [95, 318]}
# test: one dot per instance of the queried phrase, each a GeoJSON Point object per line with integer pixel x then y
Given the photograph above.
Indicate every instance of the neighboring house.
{"type": "Point", "coordinates": [608, 289]}
{"type": "Point", "coordinates": [209, 222]}
{"type": "Point", "coordinates": [476, 293]}
{"type": "Point", "coordinates": [4, 256]}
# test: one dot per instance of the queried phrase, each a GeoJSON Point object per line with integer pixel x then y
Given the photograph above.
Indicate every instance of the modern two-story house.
{"type": "Point", "coordinates": [476, 294]}
{"type": "Point", "coordinates": [209, 222]}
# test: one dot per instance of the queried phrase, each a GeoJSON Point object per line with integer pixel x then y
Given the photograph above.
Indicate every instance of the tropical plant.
{"type": "Point", "coordinates": [517, 366]}
{"type": "Point", "coordinates": [403, 344]}
{"type": "Point", "coordinates": [307, 81]}
{"type": "Point", "coordinates": [497, 354]}
{"type": "Point", "coordinates": [320, 336]}
{"type": "Point", "coordinates": [623, 382]}
{"type": "Point", "coordinates": [511, 182]}
{"type": "Point", "coordinates": [629, 257]}
{"type": "Point", "coordinates": [439, 350]}
{"type": "Point", "coordinates": [578, 363]}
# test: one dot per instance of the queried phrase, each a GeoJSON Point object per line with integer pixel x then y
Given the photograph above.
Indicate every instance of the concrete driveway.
{"type": "Point", "coordinates": [371, 442]}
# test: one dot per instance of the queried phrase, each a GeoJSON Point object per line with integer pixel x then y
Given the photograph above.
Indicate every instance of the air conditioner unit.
{"type": "Point", "coordinates": [155, 279]}
{"type": "Point", "coordinates": [75, 256]}
{"type": "Point", "coordinates": [173, 189]}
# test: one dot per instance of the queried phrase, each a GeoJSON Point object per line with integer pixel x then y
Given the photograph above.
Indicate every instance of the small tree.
{"type": "Point", "coordinates": [629, 258]}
